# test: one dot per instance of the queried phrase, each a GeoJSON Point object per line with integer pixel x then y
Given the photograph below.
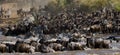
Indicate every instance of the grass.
{"type": "Point", "coordinates": [92, 4]}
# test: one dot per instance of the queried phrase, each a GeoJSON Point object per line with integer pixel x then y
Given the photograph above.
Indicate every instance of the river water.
{"type": "Point", "coordinates": [87, 52]}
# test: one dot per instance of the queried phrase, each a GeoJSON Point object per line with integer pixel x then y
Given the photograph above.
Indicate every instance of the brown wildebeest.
{"type": "Point", "coordinates": [45, 49]}
{"type": "Point", "coordinates": [22, 47]}
{"type": "Point", "coordinates": [75, 46]}
{"type": "Point", "coordinates": [19, 12]}
{"type": "Point", "coordinates": [56, 46]}
{"type": "Point", "coordinates": [36, 45]}
{"type": "Point", "coordinates": [3, 48]}
{"type": "Point", "coordinates": [98, 43]}
{"type": "Point", "coordinates": [109, 28]}
{"type": "Point", "coordinates": [95, 28]}
{"type": "Point", "coordinates": [101, 43]}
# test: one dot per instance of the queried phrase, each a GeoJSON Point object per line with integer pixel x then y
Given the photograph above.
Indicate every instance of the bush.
{"type": "Point", "coordinates": [116, 4]}
{"type": "Point", "coordinates": [84, 5]}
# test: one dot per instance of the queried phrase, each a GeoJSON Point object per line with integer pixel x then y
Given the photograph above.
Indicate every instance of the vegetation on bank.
{"type": "Point", "coordinates": [83, 5]}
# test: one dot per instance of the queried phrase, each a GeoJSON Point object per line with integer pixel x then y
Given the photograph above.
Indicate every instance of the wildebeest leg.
{"type": "Point", "coordinates": [105, 45]}
{"type": "Point", "coordinates": [98, 45]}
{"type": "Point", "coordinates": [0, 16]}
{"type": "Point", "coordinates": [3, 50]}
{"type": "Point", "coordinates": [109, 31]}
{"type": "Point", "coordinates": [8, 16]}
{"type": "Point", "coordinates": [90, 43]}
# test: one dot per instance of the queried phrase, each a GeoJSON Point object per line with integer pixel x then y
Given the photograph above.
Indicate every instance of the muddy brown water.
{"type": "Point", "coordinates": [86, 52]}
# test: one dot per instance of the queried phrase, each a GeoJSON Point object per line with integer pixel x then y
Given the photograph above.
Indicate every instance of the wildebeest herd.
{"type": "Point", "coordinates": [33, 44]}
{"type": "Point", "coordinates": [5, 13]}
{"type": "Point", "coordinates": [65, 31]}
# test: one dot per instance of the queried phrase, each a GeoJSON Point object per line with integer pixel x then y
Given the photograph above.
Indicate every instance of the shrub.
{"type": "Point", "coordinates": [84, 5]}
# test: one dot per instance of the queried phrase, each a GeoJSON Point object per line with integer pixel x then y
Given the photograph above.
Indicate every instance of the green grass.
{"type": "Point", "coordinates": [89, 4]}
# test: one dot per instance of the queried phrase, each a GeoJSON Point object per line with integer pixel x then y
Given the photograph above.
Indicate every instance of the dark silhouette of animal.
{"type": "Point", "coordinates": [98, 43]}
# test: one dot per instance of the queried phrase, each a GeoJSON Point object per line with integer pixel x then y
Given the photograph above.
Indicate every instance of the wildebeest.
{"type": "Point", "coordinates": [22, 12]}
{"type": "Point", "coordinates": [20, 46]}
{"type": "Point", "coordinates": [109, 28]}
{"type": "Point", "coordinates": [3, 48]}
{"type": "Point", "coordinates": [98, 43]}
{"type": "Point", "coordinates": [7, 13]}
{"type": "Point", "coordinates": [10, 46]}
{"type": "Point", "coordinates": [67, 27]}
{"type": "Point", "coordinates": [95, 28]}
{"type": "Point", "coordinates": [75, 46]}
{"type": "Point", "coordinates": [36, 45]}
{"type": "Point", "coordinates": [21, 28]}
{"type": "Point", "coordinates": [1, 12]}
{"type": "Point", "coordinates": [19, 12]}
{"type": "Point", "coordinates": [56, 46]}
{"type": "Point", "coordinates": [25, 48]}
{"type": "Point", "coordinates": [45, 49]}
